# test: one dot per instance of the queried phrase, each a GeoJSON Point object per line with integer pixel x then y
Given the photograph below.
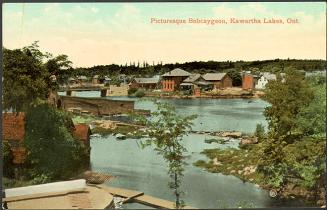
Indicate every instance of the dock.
{"type": "Point", "coordinates": [139, 197]}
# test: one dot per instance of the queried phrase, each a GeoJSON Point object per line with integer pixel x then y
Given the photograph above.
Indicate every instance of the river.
{"type": "Point", "coordinates": [143, 170]}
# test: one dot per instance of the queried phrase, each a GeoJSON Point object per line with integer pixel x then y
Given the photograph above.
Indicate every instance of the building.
{"type": "Point", "coordinates": [82, 132]}
{"type": "Point", "coordinates": [145, 83]}
{"type": "Point", "coordinates": [13, 132]}
{"type": "Point", "coordinates": [95, 79]}
{"type": "Point", "coordinates": [219, 80]}
{"type": "Point", "coordinates": [196, 82]}
{"type": "Point", "coordinates": [248, 81]}
{"type": "Point", "coordinates": [264, 79]}
{"type": "Point", "coordinates": [171, 80]}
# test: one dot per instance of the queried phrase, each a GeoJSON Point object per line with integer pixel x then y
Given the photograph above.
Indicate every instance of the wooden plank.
{"type": "Point", "coordinates": [42, 195]}
{"type": "Point", "coordinates": [134, 196]}
{"type": "Point", "coordinates": [144, 199]}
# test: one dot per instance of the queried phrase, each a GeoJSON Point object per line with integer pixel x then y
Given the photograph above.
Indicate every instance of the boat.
{"type": "Point", "coordinates": [120, 136]}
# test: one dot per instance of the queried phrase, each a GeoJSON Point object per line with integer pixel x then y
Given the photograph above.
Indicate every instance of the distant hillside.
{"type": "Point", "coordinates": [202, 67]}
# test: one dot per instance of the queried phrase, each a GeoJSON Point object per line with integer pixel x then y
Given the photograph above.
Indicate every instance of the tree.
{"type": "Point", "coordinates": [60, 67]}
{"type": "Point", "coordinates": [24, 78]}
{"type": "Point", "coordinates": [289, 153]}
{"type": "Point", "coordinates": [312, 118]}
{"type": "Point", "coordinates": [235, 76]}
{"type": "Point", "coordinates": [53, 152]}
{"type": "Point", "coordinates": [27, 74]}
{"type": "Point", "coordinates": [166, 130]}
{"type": "Point", "coordinates": [287, 96]}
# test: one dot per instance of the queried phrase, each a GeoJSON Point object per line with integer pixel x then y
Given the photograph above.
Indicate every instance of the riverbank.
{"type": "Point", "coordinates": [243, 163]}
{"type": "Point", "coordinates": [227, 93]}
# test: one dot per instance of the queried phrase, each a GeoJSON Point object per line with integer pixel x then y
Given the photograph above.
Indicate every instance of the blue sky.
{"type": "Point", "coordinates": [102, 33]}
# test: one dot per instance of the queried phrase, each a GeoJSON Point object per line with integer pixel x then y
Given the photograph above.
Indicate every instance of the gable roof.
{"type": "Point", "coordinates": [147, 80]}
{"type": "Point", "coordinates": [269, 76]}
{"type": "Point", "coordinates": [214, 76]}
{"type": "Point", "coordinates": [178, 72]}
{"type": "Point", "coordinates": [192, 78]}
{"type": "Point", "coordinates": [13, 126]}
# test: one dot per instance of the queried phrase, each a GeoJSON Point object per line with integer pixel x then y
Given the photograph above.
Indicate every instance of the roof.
{"type": "Point", "coordinates": [269, 76]}
{"type": "Point", "coordinates": [147, 80]}
{"type": "Point", "coordinates": [13, 125]}
{"type": "Point", "coordinates": [95, 76]}
{"type": "Point", "coordinates": [192, 78]}
{"type": "Point", "coordinates": [82, 131]}
{"type": "Point", "coordinates": [177, 73]}
{"type": "Point", "coordinates": [82, 77]}
{"type": "Point", "coordinates": [213, 76]}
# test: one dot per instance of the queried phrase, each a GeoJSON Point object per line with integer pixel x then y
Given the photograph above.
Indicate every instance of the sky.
{"type": "Point", "coordinates": [105, 33]}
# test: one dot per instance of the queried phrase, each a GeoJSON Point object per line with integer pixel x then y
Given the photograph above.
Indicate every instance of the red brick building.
{"type": "Point", "coordinates": [220, 80]}
{"type": "Point", "coordinates": [247, 81]}
{"type": "Point", "coordinates": [82, 132]}
{"type": "Point", "coordinates": [172, 80]}
{"type": "Point", "coordinates": [13, 132]}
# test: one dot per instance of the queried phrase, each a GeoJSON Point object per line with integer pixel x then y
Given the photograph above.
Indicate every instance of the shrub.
{"type": "Point", "coordinates": [131, 91]}
{"type": "Point", "coordinates": [53, 152]}
{"type": "Point", "coordinates": [7, 160]}
{"type": "Point", "coordinates": [139, 93]}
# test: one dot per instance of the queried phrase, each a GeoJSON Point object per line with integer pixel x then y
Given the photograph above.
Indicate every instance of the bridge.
{"type": "Point", "coordinates": [89, 87]}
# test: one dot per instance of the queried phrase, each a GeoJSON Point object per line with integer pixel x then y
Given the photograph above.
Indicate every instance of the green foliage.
{"type": "Point", "coordinates": [166, 130]}
{"type": "Point", "coordinates": [27, 74]}
{"type": "Point", "coordinates": [139, 93]}
{"type": "Point", "coordinates": [260, 132]}
{"type": "Point", "coordinates": [312, 118]}
{"type": "Point", "coordinates": [53, 152]}
{"type": "Point", "coordinates": [294, 150]}
{"type": "Point", "coordinates": [131, 91]}
{"type": "Point", "coordinates": [287, 96]}
{"type": "Point", "coordinates": [7, 158]}
{"type": "Point", "coordinates": [236, 77]}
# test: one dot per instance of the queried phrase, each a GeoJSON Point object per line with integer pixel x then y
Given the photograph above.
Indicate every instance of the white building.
{"type": "Point", "coordinates": [264, 79]}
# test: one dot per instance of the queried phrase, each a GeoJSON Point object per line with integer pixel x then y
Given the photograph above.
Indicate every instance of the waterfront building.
{"type": "Point", "coordinates": [171, 80]}
{"type": "Point", "coordinates": [145, 83]}
{"type": "Point", "coordinates": [219, 80]}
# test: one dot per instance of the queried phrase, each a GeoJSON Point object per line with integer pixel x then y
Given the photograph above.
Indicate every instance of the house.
{"type": "Point", "coordinates": [146, 83]}
{"type": "Point", "coordinates": [248, 82]}
{"type": "Point", "coordinates": [95, 79]}
{"type": "Point", "coordinates": [196, 81]}
{"type": "Point", "coordinates": [82, 79]}
{"type": "Point", "coordinates": [219, 80]}
{"type": "Point", "coordinates": [264, 79]}
{"type": "Point", "coordinates": [171, 80]}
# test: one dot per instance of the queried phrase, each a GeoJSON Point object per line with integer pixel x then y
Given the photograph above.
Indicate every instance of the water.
{"type": "Point", "coordinates": [143, 170]}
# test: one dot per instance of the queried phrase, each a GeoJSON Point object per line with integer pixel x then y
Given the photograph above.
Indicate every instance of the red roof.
{"type": "Point", "coordinates": [13, 126]}
{"type": "Point", "coordinates": [82, 131]}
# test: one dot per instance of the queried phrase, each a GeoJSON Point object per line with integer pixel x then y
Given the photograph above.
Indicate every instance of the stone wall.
{"type": "Point", "coordinates": [97, 106]}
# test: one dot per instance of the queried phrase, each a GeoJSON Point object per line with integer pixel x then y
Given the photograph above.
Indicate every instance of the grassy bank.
{"type": "Point", "coordinates": [243, 163]}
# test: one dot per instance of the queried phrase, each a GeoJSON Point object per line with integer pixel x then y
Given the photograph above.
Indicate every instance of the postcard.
{"type": "Point", "coordinates": [194, 105]}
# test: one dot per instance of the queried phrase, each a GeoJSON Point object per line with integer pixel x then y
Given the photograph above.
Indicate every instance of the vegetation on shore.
{"type": "Point", "coordinates": [53, 153]}
{"type": "Point", "coordinates": [290, 157]}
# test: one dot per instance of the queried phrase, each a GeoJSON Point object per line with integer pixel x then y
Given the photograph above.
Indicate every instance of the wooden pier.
{"type": "Point", "coordinates": [139, 197]}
